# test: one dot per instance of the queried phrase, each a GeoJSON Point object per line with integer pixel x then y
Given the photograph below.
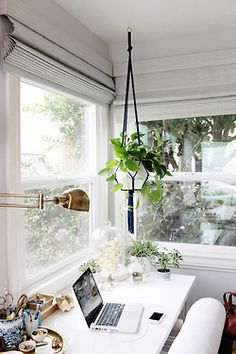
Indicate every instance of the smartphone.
{"type": "Point", "coordinates": [156, 317]}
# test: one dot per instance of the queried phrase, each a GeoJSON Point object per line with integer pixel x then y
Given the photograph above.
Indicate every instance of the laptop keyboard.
{"type": "Point", "coordinates": [111, 315]}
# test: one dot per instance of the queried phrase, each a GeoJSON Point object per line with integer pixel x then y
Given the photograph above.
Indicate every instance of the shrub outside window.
{"type": "Point", "coordinates": [199, 200]}
{"type": "Point", "coordinates": [56, 154]}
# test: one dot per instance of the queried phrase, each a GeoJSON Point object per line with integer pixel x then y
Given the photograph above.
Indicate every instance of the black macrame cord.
{"type": "Point", "coordinates": [129, 78]}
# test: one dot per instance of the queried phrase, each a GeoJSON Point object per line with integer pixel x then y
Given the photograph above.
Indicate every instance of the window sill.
{"type": "Point", "coordinates": [206, 257]}
{"type": "Point", "coordinates": [60, 279]}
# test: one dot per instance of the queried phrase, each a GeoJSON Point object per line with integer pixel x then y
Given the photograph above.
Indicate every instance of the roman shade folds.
{"type": "Point", "coordinates": [30, 63]}
{"type": "Point", "coordinates": [32, 56]}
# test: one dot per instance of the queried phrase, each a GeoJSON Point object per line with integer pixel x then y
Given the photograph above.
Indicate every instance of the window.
{"type": "Point", "coordinates": [58, 147]}
{"type": "Point", "coordinates": [199, 200]}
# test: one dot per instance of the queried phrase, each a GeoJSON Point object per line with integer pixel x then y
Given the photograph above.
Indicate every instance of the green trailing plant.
{"type": "Point", "coordinates": [168, 258]}
{"type": "Point", "coordinates": [128, 159]}
{"type": "Point", "coordinates": [92, 264]}
{"type": "Point", "coordinates": [142, 249]}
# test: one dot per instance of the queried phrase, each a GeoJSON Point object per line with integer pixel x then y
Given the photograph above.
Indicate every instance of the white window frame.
{"type": "Point", "coordinates": [207, 257]}
{"type": "Point", "coordinates": [64, 273]}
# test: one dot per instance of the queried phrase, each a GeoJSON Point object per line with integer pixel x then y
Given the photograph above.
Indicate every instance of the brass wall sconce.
{"type": "Point", "coordinates": [73, 199]}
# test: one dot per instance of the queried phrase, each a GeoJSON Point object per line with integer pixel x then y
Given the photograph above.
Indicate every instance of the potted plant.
{"type": "Point", "coordinates": [92, 264]}
{"type": "Point", "coordinates": [167, 258]}
{"type": "Point", "coordinates": [135, 156]}
{"type": "Point", "coordinates": [142, 252]}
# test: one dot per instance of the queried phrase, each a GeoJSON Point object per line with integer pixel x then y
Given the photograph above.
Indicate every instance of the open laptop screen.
{"type": "Point", "coordinates": [88, 296]}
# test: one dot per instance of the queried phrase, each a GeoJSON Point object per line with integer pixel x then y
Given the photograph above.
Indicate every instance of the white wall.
{"type": "Point", "coordinates": [209, 283]}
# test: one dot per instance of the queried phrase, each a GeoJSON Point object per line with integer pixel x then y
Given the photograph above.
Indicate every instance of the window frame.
{"type": "Point", "coordinates": [53, 279]}
{"type": "Point", "coordinates": [206, 257]}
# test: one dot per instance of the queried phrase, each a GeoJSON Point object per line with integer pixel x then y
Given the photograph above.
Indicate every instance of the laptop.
{"type": "Point", "coordinates": [100, 316]}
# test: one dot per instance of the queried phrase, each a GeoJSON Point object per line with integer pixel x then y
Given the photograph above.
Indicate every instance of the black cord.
{"type": "Point", "coordinates": [126, 106]}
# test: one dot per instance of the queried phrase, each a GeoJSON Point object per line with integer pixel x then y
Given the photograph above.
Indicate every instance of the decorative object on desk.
{"type": "Point", "coordinates": [21, 303]}
{"type": "Point", "coordinates": [54, 339]}
{"type": "Point", "coordinates": [32, 320]}
{"type": "Point", "coordinates": [40, 301]}
{"type": "Point", "coordinates": [65, 302]}
{"type": "Point", "coordinates": [73, 199]}
{"type": "Point", "coordinates": [167, 258]}
{"type": "Point", "coordinates": [39, 334]}
{"type": "Point", "coordinates": [110, 233]}
{"type": "Point", "coordinates": [11, 331]}
{"type": "Point", "coordinates": [111, 261]}
{"type": "Point", "coordinates": [27, 346]}
{"type": "Point", "coordinates": [57, 340]}
{"type": "Point", "coordinates": [134, 159]}
{"type": "Point", "coordinates": [137, 276]}
{"type": "Point", "coordinates": [230, 308]}
{"type": "Point", "coordinates": [7, 309]}
{"type": "Point", "coordinates": [44, 303]}
{"type": "Point", "coordinates": [110, 256]}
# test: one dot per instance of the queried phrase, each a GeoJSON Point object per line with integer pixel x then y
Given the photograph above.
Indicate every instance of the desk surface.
{"type": "Point", "coordinates": [168, 296]}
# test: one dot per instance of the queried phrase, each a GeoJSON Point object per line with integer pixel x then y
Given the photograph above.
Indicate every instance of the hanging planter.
{"type": "Point", "coordinates": [134, 160]}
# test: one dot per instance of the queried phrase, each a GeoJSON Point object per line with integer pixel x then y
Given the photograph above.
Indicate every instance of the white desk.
{"type": "Point", "coordinates": [168, 296]}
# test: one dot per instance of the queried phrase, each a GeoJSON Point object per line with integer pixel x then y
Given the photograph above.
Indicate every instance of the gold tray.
{"type": "Point", "coordinates": [52, 334]}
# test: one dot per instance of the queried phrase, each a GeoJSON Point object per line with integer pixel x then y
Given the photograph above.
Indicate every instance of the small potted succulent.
{"type": "Point", "coordinates": [142, 252]}
{"type": "Point", "coordinates": [167, 258]}
{"type": "Point", "coordinates": [92, 264]}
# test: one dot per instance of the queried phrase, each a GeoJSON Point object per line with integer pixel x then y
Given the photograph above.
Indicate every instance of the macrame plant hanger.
{"type": "Point", "coordinates": [130, 77]}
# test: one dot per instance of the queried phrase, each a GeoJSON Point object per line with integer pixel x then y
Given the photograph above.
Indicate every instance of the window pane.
{"type": "Point", "coordinates": [56, 136]}
{"type": "Point", "coordinates": [191, 212]}
{"type": "Point", "coordinates": [52, 133]}
{"type": "Point", "coordinates": [198, 144]}
{"type": "Point", "coordinates": [55, 233]}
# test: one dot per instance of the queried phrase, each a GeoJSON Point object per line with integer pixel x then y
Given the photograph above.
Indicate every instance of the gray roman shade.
{"type": "Point", "coordinates": [32, 64]}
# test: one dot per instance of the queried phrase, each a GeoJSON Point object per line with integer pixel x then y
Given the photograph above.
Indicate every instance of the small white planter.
{"type": "Point", "coordinates": [163, 275]}
{"type": "Point", "coordinates": [141, 264]}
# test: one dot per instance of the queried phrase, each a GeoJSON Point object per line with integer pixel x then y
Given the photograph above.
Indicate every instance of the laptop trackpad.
{"type": "Point", "coordinates": [130, 318]}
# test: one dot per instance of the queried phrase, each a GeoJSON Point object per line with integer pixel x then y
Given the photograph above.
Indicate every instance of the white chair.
{"type": "Point", "coordinates": [202, 330]}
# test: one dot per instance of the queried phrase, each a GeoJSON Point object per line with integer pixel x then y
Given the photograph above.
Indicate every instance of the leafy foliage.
{"type": "Point", "coordinates": [142, 248]}
{"type": "Point", "coordinates": [189, 134]}
{"type": "Point", "coordinates": [67, 112]}
{"type": "Point", "coordinates": [167, 258]}
{"type": "Point", "coordinates": [92, 264]}
{"type": "Point", "coordinates": [186, 208]}
{"type": "Point", "coordinates": [54, 233]}
{"type": "Point", "coordinates": [129, 159]}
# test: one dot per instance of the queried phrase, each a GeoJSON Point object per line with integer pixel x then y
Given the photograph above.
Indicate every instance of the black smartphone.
{"type": "Point", "coordinates": [156, 317]}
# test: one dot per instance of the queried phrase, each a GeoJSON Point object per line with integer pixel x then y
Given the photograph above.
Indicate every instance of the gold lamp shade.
{"type": "Point", "coordinates": [73, 199]}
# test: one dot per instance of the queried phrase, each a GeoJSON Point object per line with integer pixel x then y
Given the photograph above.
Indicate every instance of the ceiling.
{"type": "Point", "coordinates": [150, 19]}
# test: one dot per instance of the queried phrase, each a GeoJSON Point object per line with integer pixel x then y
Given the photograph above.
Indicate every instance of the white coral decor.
{"type": "Point", "coordinates": [65, 302]}
{"type": "Point", "coordinates": [110, 256]}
